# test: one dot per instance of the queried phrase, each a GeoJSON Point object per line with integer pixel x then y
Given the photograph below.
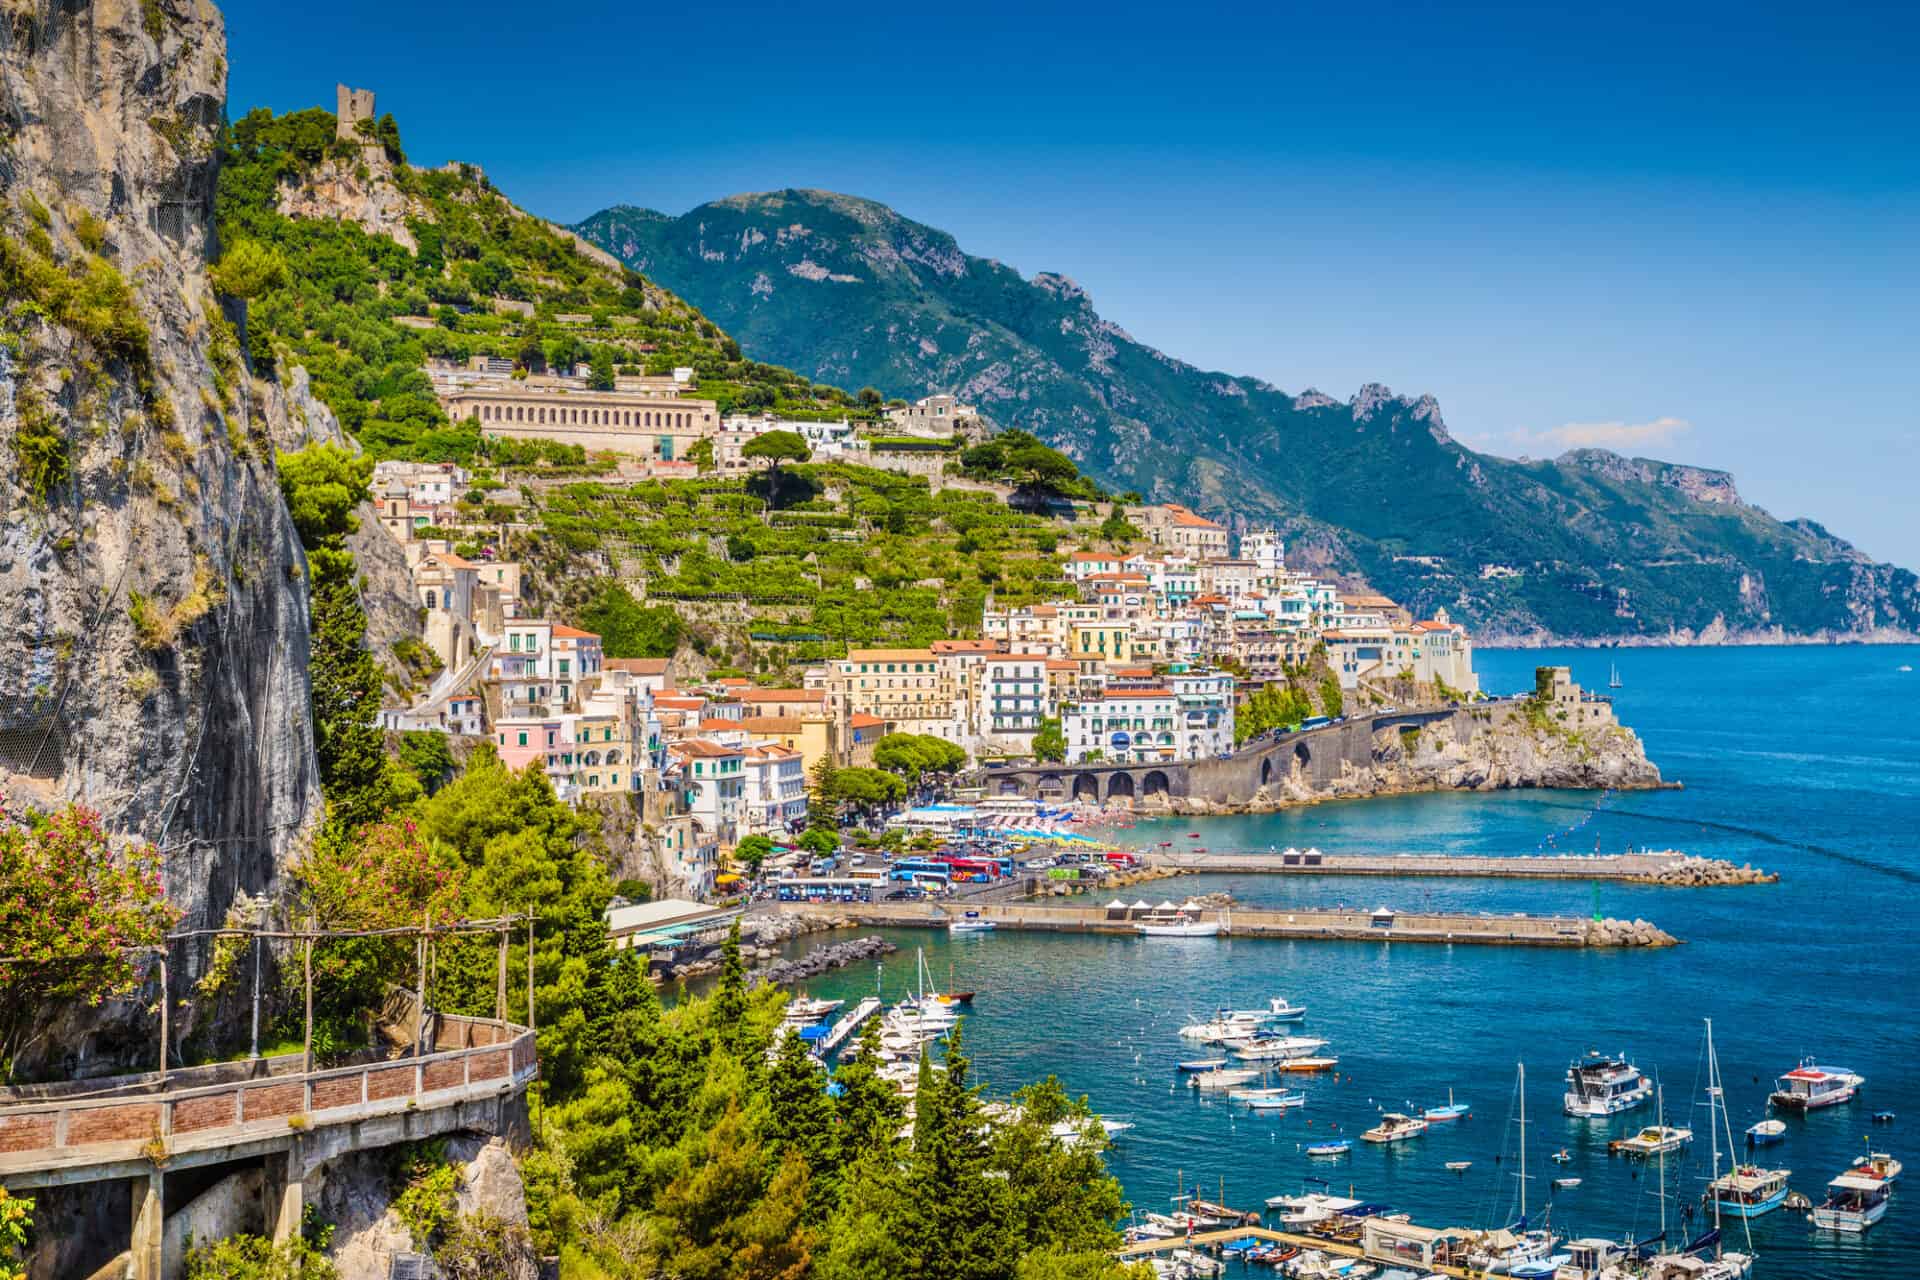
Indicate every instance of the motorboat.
{"type": "Point", "coordinates": [1566, 1184]}
{"type": "Point", "coordinates": [1747, 1190]}
{"type": "Point", "coordinates": [1268, 1099]}
{"type": "Point", "coordinates": [972, 922]}
{"type": "Point", "coordinates": [1223, 1026]}
{"type": "Point", "coordinates": [1599, 1086]}
{"type": "Point", "coordinates": [1311, 1207]}
{"type": "Point", "coordinates": [1222, 1078]}
{"type": "Point", "coordinates": [1810, 1086]}
{"type": "Point", "coordinates": [1180, 929]}
{"type": "Point", "coordinates": [1459, 1166]}
{"type": "Point", "coordinates": [1877, 1164]}
{"type": "Point", "coordinates": [1279, 1010]}
{"type": "Point", "coordinates": [1394, 1127]}
{"type": "Point", "coordinates": [1306, 1064]}
{"type": "Point", "coordinates": [1517, 1252]}
{"type": "Point", "coordinates": [1655, 1139]}
{"type": "Point", "coordinates": [1440, 1115]}
{"type": "Point", "coordinates": [1338, 1147]}
{"type": "Point", "coordinates": [1202, 1064]}
{"type": "Point", "coordinates": [1854, 1203]}
{"type": "Point", "coordinates": [1277, 1048]}
{"type": "Point", "coordinates": [1766, 1133]}
{"type": "Point", "coordinates": [1594, 1258]}
{"type": "Point", "coordinates": [1069, 1132]}
{"type": "Point", "coordinates": [802, 1010]}
{"type": "Point", "coordinates": [1563, 1156]}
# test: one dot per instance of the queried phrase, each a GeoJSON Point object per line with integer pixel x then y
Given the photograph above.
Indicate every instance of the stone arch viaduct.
{"type": "Point", "coordinates": [1319, 756]}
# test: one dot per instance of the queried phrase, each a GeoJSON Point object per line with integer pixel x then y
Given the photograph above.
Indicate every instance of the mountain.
{"type": "Point", "coordinates": [1589, 546]}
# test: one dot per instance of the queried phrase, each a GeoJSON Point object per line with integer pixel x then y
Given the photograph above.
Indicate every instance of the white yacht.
{"type": "Point", "coordinates": [1854, 1202]}
{"type": "Point", "coordinates": [1600, 1086]}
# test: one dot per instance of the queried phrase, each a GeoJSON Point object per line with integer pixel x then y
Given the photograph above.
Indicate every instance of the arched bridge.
{"type": "Point", "coordinates": [1316, 755]}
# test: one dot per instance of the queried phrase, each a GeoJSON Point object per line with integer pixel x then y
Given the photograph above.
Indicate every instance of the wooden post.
{"type": "Point", "coordinates": [529, 970]}
{"type": "Point", "coordinates": [500, 984]}
{"type": "Point", "coordinates": [306, 968]}
{"type": "Point", "coordinates": [165, 996]}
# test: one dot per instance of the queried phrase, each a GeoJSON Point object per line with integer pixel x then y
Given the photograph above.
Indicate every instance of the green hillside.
{"type": "Point", "coordinates": [1591, 545]}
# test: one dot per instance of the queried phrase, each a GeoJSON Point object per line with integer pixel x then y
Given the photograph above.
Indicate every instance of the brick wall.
{"type": "Point", "coordinates": [203, 1113]}
{"type": "Point", "coordinates": [488, 1066]}
{"type": "Point", "coordinates": [113, 1124]}
{"type": "Point", "coordinates": [274, 1100]}
{"type": "Point", "coordinates": [26, 1133]}
{"type": "Point", "coordinates": [393, 1082]}
{"type": "Point", "coordinates": [339, 1091]}
{"type": "Point", "coordinates": [445, 1075]}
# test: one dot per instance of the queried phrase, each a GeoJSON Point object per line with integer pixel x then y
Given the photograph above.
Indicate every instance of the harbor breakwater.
{"type": "Point", "coordinates": [1662, 868]}
{"type": "Point", "coordinates": [1300, 925]}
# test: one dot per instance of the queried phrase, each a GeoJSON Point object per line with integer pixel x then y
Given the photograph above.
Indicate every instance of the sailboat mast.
{"type": "Point", "coordinates": [1523, 1141]}
{"type": "Point", "coordinates": [1660, 1109]}
{"type": "Point", "coordinates": [1713, 1127]}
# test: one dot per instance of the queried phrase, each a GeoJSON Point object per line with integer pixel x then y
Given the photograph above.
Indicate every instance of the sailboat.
{"type": "Point", "coordinates": [1707, 1258]}
{"type": "Point", "coordinates": [1519, 1250]}
{"type": "Point", "coordinates": [1613, 676]}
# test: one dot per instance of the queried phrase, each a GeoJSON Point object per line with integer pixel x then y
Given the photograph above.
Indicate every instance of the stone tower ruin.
{"type": "Point", "coordinates": [352, 106]}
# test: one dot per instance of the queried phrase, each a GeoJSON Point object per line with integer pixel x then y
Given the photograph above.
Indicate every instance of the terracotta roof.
{"type": "Point", "coordinates": [783, 695]}
{"type": "Point", "coordinates": [1062, 664]}
{"type": "Point", "coordinates": [862, 720]}
{"type": "Point", "coordinates": [1208, 600]}
{"type": "Point", "coordinates": [1114, 695]}
{"type": "Point", "coordinates": [1131, 671]}
{"type": "Point", "coordinates": [1089, 557]}
{"type": "Point", "coordinates": [734, 682]}
{"type": "Point", "coordinates": [771, 751]}
{"type": "Point", "coordinates": [719, 726]}
{"type": "Point", "coordinates": [453, 561]}
{"type": "Point", "coordinates": [573, 633]}
{"type": "Point", "coordinates": [702, 747]}
{"type": "Point", "coordinates": [966, 646]}
{"type": "Point", "coordinates": [680, 704]}
{"type": "Point", "coordinates": [638, 666]}
{"type": "Point", "coordinates": [1187, 520]}
{"type": "Point", "coordinates": [771, 724]}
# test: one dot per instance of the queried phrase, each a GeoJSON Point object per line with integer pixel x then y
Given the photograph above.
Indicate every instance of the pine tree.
{"type": "Point", "coordinates": [960, 1229]}
{"type": "Point", "coordinates": [868, 1109]}
{"type": "Point", "coordinates": [800, 1121]}
{"type": "Point", "coordinates": [730, 1001]}
{"type": "Point", "coordinates": [360, 783]}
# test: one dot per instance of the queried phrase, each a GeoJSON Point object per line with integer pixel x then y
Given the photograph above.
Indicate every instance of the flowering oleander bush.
{"type": "Point", "coordinates": [74, 916]}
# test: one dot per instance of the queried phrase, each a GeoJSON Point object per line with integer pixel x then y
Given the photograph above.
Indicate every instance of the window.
{"type": "Point", "coordinates": [523, 739]}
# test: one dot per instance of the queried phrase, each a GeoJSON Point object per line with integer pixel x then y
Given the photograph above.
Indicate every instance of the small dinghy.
{"type": "Point", "coordinates": [1339, 1147]}
{"type": "Point", "coordinates": [1566, 1184]}
{"type": "Point", "coordinates": [1203, 1064]}
{"type": "Point", "coordinates": [1459, 1166]}
{"type": "Point", "coordinates": [1766, 1133]}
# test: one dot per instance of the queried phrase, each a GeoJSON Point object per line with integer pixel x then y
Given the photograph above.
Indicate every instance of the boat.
{"type": "Point", "coordinates": [1594, 1258]}
{"type": "Point", "coordinates": [1311, 1206]}
{"type": "Point", "coordinates": [1221, 1027]}
{"type": "Point", "coordinates": [1394, 1127]}
{"type": "Point", "coordinates": [1279, 1010]}
{"type": "Point", "coordinates": [1440, 1115]}
{"type": "Point", "coordinates": [1519, 1250]}
{"type": "Point", "coordinates": [1809, 1086]}
{"type": "Point", "coordinates": [1766, 1133]}
{"type": "Point", "coordinates": [1278, 1048]}
{"type": "Point", "coordinates": [1202, 1064]}
{"type": "Point", "coordinates": [1747, 1190]}
{"type": "Point", "coordinates": [970, 923]}
{"type": "Point", "coordinates": [1854, 1203]}
{"type": "Point", "coordinates": [1459, 1166]}
{"type": "Point", "coordinates": [1184, 929]}
{"type": "Point", "coordinates": [1877, 1164]}
{"type": "Point", "coordinates": [1566, 1184]}
{"type": "Point", "coordinates": [1562, 1156]}
{"type": "Point", "coordinates": [1599, 1086]}
{"type": "Point", "coordinates": [1222, 1078]}
{"type": "Point", "coordinates": [1306, 1064]}
{"type": "Point", "coordinates": [1268, 1099]}
{"type": "Point", "coordinates": [1338, 1147]}
{"type": "Point", "coordinates": [1655, 1139]}
{"type": "Point", "coordinates": [1613, 676]}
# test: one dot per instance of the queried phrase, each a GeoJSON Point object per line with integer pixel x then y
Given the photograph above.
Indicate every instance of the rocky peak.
{"type": "Point", "coordinates": [1314, 398]}
{"type": "Point", "coordinates": [1059, 286]}
{"type": "Point", "coordinates": [1702, 484]}
{"type": "Point", "coordinates": [1369, 400]}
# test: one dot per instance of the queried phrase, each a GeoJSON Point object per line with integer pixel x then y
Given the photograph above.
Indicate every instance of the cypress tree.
{"type": "Point", "coordinates": [730, 1001]}
{"type": "Point", "coordinates": [800, 1121]}
{"type": "Point", "coordinates": [868, 1109]}
{"type": "Point", "coordinates": [958, 1225]}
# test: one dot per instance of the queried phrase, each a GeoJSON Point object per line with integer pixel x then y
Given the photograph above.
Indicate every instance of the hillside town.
{"type": "Point", "coordinates": [1148, 660]}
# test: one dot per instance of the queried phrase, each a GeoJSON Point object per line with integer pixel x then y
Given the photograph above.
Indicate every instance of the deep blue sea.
{"type": "Point", "coordinates": [1803, 760]}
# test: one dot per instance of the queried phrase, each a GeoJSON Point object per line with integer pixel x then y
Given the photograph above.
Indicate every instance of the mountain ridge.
{"type": "Point", "coordinates": [1590, 546]}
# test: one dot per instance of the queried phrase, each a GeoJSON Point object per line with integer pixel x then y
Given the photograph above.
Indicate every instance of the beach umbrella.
{"type": "Point", "coordinates": [1142, 905]}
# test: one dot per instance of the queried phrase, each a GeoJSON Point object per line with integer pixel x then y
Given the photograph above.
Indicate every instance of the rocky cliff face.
{"type": "Point", "coordinates": [153, 609]}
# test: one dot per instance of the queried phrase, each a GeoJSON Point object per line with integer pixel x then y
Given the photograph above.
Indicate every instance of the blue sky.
{"type": "Point", "coordinates": [1694, 236]}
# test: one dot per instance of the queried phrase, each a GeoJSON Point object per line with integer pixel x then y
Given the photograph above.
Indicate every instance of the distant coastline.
{"type": "Point", "coordinates": [1707, 639]}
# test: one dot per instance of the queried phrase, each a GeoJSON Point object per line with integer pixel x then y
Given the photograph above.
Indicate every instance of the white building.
{"type": "Point", "coordinates": [774, 794]}
{"type": "Point", "coordinates": [1205, 700]}
{"type": "Point", "coordinates": [715, 780]}
{"type": "Point", "coordinates": [1135, 726]}
{"type": "Point", "coordinates": [1011, 700]}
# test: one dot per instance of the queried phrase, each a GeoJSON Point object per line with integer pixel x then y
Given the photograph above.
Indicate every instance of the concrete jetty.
{"type": "Point", "coordinates": [1665, 868]}
{"type": "Point", "coordinates": [844, 1029]}
{"type": "Point", "coordinates": [1302, 925]}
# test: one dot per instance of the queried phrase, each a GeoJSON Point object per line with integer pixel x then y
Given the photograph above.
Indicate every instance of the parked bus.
{"type": "Point", "coordinates": [921, 871]}
{"type": "Point", "coordinates": [824, 889]}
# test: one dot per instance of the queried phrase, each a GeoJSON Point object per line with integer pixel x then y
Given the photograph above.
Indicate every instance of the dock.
{"type": "Point", "coordinates": [1308, 924]}
{"type": "Point", "coordinates": [843, 1029]}
{"type": "Point", "coordinates": [1227, 1235]}
{"type": "Point", "coordinates": [1665, 867]}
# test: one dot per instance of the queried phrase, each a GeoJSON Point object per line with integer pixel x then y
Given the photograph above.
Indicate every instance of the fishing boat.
{"type": "Point", "coordinates": [1594, 1258]}
{"type": "Point", "coordinates": [1338, 1147]}
{"type": "Point", "coordinates": [1877, 1164]}
{"type": "Point", "coordinates": [1655, 1139]}
{"type": "Point", "coordinates": [1599, 1086]}
{"type": "Point", "coordinates": [1203, 1064]}
{"type": "Point", "coordinates": [1440, 1115]}
{"type": "Point", "coordinates": [1766, 1133]}
{"type": "Point", "coordinates": [1222, 1078]}
{"type": "Point", "coordinates": [1277, 1048]}
{"type": "Point", "coordinates": [1394, 1127]}
{"type": "Point", "coordinates": [1181, 929]}
{"type": "Point", "coordinates": [1809, 1086]}
{"type": "Point", "coordinates": [1306, 1064]}
{"type": "Point", "coordinates": [1853, 1203]}
{"type": "Point", "coordinates": [1279, 1010]}
{"type": "Point", "coordinates": [1747, 1190]}
{"type": "Point", "coordinates": [972, 922]}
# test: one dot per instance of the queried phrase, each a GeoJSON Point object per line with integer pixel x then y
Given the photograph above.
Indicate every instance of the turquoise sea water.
{"type": "Point", "coordinates": [1804, 761]}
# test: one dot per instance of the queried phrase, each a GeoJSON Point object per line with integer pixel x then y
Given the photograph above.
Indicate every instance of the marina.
{"type": "Point", "coordinates": [1104, 1009]}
